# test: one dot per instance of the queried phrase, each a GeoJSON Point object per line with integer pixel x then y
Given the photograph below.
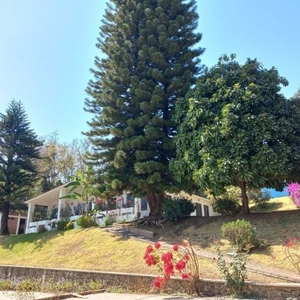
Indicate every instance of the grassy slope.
{"type": "Point", "coordinates": [97, 249]}
{"type": "Point", "coordinates": [92, 249]}
{"type": "Point", "coordinates": [274, 226]}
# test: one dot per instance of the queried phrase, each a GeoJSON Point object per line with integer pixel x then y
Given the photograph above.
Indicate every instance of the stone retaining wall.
{"type": "Point", "coordinates": [143, 283]}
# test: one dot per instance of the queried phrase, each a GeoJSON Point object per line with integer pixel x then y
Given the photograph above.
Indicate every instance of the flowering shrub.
{"type": "Point", "coordinates": [294, 190]}
{"type": "Point", "coordinates": [180, 262]}
{"type": "Point", "coordinates": [292, 253]}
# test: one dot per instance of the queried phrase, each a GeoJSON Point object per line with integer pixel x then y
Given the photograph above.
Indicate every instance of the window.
{"type": "Point", "coordinates": [206, 210]}
{"type": "Point", "coordinates": [144, 204]}
{"type": "Point", "coordinates": [198, 210]}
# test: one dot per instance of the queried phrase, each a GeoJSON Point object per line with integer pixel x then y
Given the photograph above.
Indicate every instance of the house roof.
{"type": "Point", "coordinates": [194, 198]}
{"type": "Point", "coordinates": [49, 198]}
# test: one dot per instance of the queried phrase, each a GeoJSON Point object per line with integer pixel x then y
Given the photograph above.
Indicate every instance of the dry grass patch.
{"type": "Point", "coordinates": [274, 229]}
{"type": "Point", "coordinates": [97, 249]}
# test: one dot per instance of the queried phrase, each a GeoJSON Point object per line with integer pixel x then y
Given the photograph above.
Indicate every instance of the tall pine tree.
{"type": "Point", "coordinates": [151, 60]}
{"type": "Point", "coordinates": [19, 147]}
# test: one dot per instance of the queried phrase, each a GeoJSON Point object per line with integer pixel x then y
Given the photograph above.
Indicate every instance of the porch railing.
{"type": "Point", "coordinates": [117, 215]}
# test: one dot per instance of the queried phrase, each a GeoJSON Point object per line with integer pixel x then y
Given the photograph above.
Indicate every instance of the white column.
{"type": "Point", "coordinates": [29, 216]}
{"type": "Point", "coordinates": [61, 194]}
{"type": "Point", "coordinates": [18, 224]}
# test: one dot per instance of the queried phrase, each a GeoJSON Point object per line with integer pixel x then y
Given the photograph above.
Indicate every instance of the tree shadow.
{"type": "Point", "coordinates": [38, 239]}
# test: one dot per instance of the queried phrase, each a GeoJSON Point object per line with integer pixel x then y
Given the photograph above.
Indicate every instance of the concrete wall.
{"type": "Point", "coordinates": [143, 283]}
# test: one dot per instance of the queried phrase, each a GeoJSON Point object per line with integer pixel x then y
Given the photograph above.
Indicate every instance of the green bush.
{"type": "Point", "coordinates": [108, 221]}
{"type": "Point", "coordinates": [226, 206]}
{"type": "Point", "coordinates": [241, 234]}
{"type": "Point", "coordinates": [86, 221]}
{"type": "Point", "coordinates": [62, 224]}
{"type": "Point", "coordinates": [27, 285]}
{"type": "Point", "coordinates": [175, 208]}
{"type": "Point", "coordinates": [6, 285]}
{"type": "Point", "coordinates": [69, 225]}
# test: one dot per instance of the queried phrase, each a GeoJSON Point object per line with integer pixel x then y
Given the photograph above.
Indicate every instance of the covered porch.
{"type": "Point", "coordinates": [45, 210]}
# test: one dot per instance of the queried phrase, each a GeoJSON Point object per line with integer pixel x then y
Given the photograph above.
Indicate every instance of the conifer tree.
{"type": "Point", "coordinates": [19, 147]}
{"type": "Point", "coordinates": [151, 60]}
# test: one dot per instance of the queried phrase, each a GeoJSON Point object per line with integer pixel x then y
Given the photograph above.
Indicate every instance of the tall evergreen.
{"type": "Point", "coordinates": [19, 147]}
{"type": "Point", "coordinates": [151, 60]}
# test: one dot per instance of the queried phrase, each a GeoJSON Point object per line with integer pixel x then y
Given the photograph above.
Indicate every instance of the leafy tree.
{"type": "Point", "coordinates": [151, 59]}
{"type": "Point", "coordinates": [81, 187]}
{"type": "Point", "coordinates": [19, 148]}
{"type": "Point", "coordinates": [60, 161]}
{"type": "Point", "coordinates": [237, 130]}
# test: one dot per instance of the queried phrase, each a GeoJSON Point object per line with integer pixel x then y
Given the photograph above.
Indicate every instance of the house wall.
{"type": "Point", "coordinates": [15, 223]}
{"type": "Point", "coordinates": [204, 206]}
{"type": "Point", "coordinates": [12, 224]}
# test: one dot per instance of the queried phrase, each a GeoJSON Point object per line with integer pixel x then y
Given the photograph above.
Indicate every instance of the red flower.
{"type": "Point", "coordinates": [151, 260]}
{"type": "Point", "coordinates": [180, 265]}
{"type": "Point", "coordinates": [157, 245]}
{"type": "Point", "coordinates": [185, 276]}
{"type": "Point", "coordinates": [167, 256]}
{"type": "Point", "coordinates": [149, 249]}
{"type": "Point", "coordinates": [159, 282]}
{"type": "Point", "coordinates": [175, 247]}
{"type": "Point", "coordinates": [169, 269]}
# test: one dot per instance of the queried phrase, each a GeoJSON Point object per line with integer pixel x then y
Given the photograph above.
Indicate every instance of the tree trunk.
{"type": "Point", "coordinates": [245, 199]}
{"type": "Point", "coordinates": [155, 202]}
{"type": "Point", "coordinates": [4, 218]}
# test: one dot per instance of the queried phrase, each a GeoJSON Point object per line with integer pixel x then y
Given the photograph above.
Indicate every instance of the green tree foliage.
{"type": "Point", "coordinates": [60, 162]}
{"type": "Point", "coordinates": [237, 129]}
{"type": "Point", "coordinates": [81, 187]}
{"type": "Point", "coordinates": [151, 59]}
{"type": "Point", "coordinates": [176, 207]}
{"type": "Point", "coordinates": [19, 149]}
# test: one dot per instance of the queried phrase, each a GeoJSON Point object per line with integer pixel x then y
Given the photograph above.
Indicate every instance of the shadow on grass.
{"type": "Point", "coordinates": [38, 239]}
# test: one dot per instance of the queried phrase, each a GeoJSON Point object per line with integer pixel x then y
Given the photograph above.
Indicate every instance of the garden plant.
{"type": "Point", "coordinates": [180, 262]}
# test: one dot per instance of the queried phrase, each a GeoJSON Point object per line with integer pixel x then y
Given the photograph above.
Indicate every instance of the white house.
{"type": "Point", "coordinates": [203, 206]}
{"type": "Point", "coordinates": [46, 209]}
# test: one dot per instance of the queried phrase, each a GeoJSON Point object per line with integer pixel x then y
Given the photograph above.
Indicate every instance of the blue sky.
{"type": "Point", "coordinates": [47, 48]}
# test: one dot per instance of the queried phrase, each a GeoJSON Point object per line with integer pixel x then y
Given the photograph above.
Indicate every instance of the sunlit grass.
{"type": "Point", "coordinates": [98, 249]}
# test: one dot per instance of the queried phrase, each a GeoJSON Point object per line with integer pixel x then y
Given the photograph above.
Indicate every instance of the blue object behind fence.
{"type": "Point", "coordinates": [275, 194]}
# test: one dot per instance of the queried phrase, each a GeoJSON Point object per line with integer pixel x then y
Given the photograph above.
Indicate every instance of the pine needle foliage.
{"type": "Point", "coordinates": [151, 59]}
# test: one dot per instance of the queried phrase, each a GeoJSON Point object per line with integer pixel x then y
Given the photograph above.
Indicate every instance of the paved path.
{"type": "Point", "coordinates": [286, 276]}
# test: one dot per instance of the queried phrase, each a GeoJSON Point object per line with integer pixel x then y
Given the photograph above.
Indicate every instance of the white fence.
{"type": "Point", "coordinates": [116, 216]}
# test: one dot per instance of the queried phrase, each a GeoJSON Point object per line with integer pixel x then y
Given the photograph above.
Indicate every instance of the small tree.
{"type": "Point", "coordinates": [81, 187]}
{"type": "Point", "coordinates": [59, 161]}
{"type": "Point", "coordinates": [19, 149]}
